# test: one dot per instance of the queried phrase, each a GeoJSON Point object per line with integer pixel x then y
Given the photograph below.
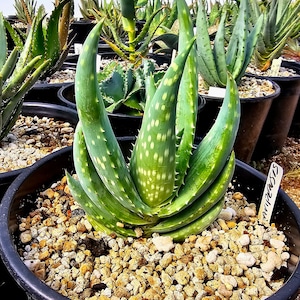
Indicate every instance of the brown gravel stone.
{"type": "Point", "coordinates": [205, 266]}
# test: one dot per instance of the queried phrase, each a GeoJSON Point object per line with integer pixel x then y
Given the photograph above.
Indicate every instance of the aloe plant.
{"type": "Point", "coordinates": [123, 87]}
{"type": "Point", "coordinates": [281, 22]}
{"type": "Point", "coordinates": [111, 11]}
{"type": "Point", "coordinates": [215, 61]}
{"type": "Point", "coordinates": [49, 39]}
{"type": "Point", "coordinates": [292, 50]}
{"type": "Point", "coordinates": [168, 186]}
{"type": "Point", "coordinates": [17, 75]}
{"type": "Point", "coordinates": [135, 45]}
{"type": "Point", "coordinates": [87, 7]}
{"type": "Point", "coordinates": [25, 10]}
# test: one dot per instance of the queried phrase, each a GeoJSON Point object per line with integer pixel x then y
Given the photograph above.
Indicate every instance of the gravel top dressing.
{"type": "Point", "coordinates": [32, 138]}
{"type": "Point", "coordinates": [237, 257]}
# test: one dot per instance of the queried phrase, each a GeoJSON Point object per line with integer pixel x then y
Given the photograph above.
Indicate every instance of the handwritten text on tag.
{"type": "Point", "coordinates": [270, 192]}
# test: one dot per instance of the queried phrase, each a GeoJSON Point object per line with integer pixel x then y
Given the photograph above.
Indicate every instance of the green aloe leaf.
{"type": "Point", "coordinates": [153, 158]}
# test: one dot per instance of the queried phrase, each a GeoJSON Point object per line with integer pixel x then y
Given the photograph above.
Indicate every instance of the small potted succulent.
{"type": "Point", "coordinates": [121, 29]}
{"type": "Point", "coordinates": [170, 110]}
{"type": "Point", "coordinates": [20, 70]}
{"type": "Point", "coordinates": [232, 50]}
{"type": "Point", "coordinates": [281, 23]}
{"type": "Point", "coordinates": [169, 186]}
{"type": "Point", "coordinates": [52, 41]}
{"type": "Point", "coordinates": [123, 91]}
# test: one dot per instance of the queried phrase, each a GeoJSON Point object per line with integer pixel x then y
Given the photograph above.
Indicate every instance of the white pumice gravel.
{"type": "Point", "coordinates": [282, 72]}
{"type": "Point", "coordinates": [249, 87]}
{"type": "Point", "coordinates": [235, 258]}
{"type": "Point", "coordinates": [32, 138]}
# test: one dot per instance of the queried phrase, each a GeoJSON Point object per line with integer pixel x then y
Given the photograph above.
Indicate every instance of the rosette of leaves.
{"type": "Point", "coordinates": [168, 186]}
{"type": "Point", "coordinates": [281, 23]}
{"type": "Point", "coordinates": [110, 10]}
{"type": "Point", "coordinates": [123, 87]}
{"type": "Point", "coordinates": [49, 37]}
{"type": "Point", "coordinates": [135, 45]}
{"type": "Point", "coordinates": [87, 7]}
{"type": "Point", "coordinates": [231, 53]}
{"type": "Point", "coordinates": [18, 73]}
{"type": "Point", "coordinates": [25, 10]}
{"type": "Point", "coordinates": [291, 50]}
{"type": "Point", "coordinates": [145, 9]}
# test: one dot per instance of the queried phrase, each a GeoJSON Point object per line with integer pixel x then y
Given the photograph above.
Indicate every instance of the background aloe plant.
{"type": "Point", "coordinates": [87, 7]}
{"type": "Point", "coordinates": [167, 186]}
{"type": "Point", "coordinates": [233, 55]}
{"type": "Point", "coordinates": [49, 38]}
{"type": "Point", "coordinates": [40, 55]}
{"type": "Point", "coordinates": [25, 10]}
{"type": "Point", "coordinates": [281, 23]}
{"type": "Point", "coordinates": [123, 87]}
{"type": "Point", "coordinates": [18, 73]}
{"type": "Point", "coordinates": [135, 45]}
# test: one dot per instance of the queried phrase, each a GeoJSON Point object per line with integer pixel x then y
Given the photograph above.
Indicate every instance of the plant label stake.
{"type": "Point", "coordinates": [216, 92]}
{"type": "Point", "coordinates": [275, 67]}
{"type": "Point", "coordinates": [270, 192]}
{"type": "Point", "coordinates": [77, 48]}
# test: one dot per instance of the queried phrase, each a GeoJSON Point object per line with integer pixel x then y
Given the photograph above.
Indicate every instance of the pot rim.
{"type": "Point", "coordinates": [41, 109]}
{"type": "Point", "coordinates": [287, 64]}
{"type": "Point", "coordinates": [72, 105]}
{"type": "Point", "coordinates": [23, 275]}
{"type": "Point", "coordinates": [253, 99]}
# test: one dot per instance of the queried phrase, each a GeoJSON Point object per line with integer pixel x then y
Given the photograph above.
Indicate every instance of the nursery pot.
{"type": "Point", "coordinates": [253, 114]}
{"type": "Point", "coordinates": [58, 112]}
{"type": "Point", "coordinates": [122, 124]}
{"type": "Point", "coordinates": [18, 198]}
{"type": "Point", "coordinates": [295, 126]}
{"type": "Point", "coordinates": [79, 30]}
{"type": "Point", "coordinates": [43, 91]}
{"type": "Point", "coordinates": [281, 114]}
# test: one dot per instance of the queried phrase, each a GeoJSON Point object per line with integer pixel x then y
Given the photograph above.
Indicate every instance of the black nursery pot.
{"type": "Point", "coordinates": [122, 124]}
{"type": "Point", "coordinates": [44, 92]}
{"type": "Point", "coordinates": [18, 199]}
{"type": "Point", "coordinates": [58, 112]}
{"type": "Point", "coordinates": [295, 126]}
{"type": "Point", "coordinates": [79, 30]}
{"type": "Point", "coordinates": [254, 112]}
{"type": "Point", "coordinates": [281, 114]}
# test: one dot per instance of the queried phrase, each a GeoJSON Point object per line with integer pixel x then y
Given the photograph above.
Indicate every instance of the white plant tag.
{"type": "Point", "coordinates": [77, 48]}
{"type": "Point", "coordinates": [216, 92]}
{"type": "Point", "coordinates": [98, 62]}
{"type": "Point", "coordinates": [270, 192]}
{"type": "Point", "coordinates": [275, 66]}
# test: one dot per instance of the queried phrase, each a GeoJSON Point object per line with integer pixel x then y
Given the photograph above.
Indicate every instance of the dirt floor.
{"type": "Point", "coordinates": [289, 159]}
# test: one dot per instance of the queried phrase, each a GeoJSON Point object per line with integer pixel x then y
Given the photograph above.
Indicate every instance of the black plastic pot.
{"type": "Point", "coordinates": [44, 92]}
{"type": "Point", "coordinates": [79, 30]}
{"type": "Point", "coordinates": [295, 126]}
{"type": "Point", "coordinates": [17, 201]}
{"type": "Point", "coordinates": [122, 124]}
{"type": "Point", "coordinates": [280, 116]}
{"type": "Point", "coordinates": [58, 112]}
{"type": "Point", "coordinates": [253, 115]}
